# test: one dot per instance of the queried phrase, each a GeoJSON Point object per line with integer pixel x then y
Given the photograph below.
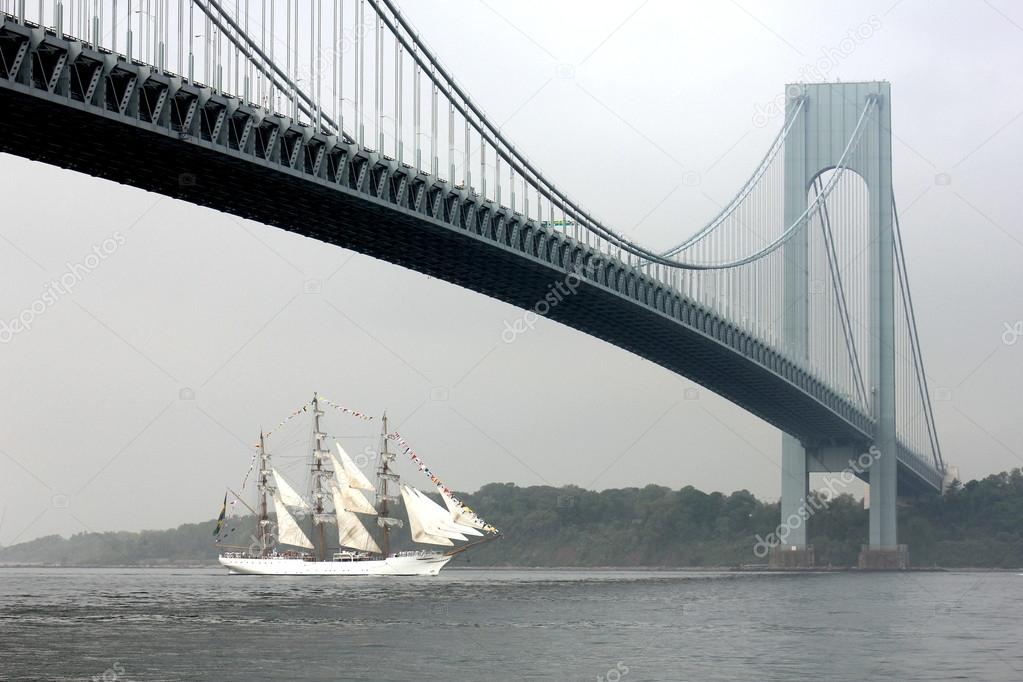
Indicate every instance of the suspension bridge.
{"type": "Point", "coordinates": [334, 119]}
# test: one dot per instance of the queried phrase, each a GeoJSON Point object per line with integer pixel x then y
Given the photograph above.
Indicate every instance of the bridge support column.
{"type": "Point", "coordinates": [791, 550]}
{"type": "Point", "coordinates": [884, 552]}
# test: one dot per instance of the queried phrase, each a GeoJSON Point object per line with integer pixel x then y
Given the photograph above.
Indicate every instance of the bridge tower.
{"type": "Point", "coordinates": [823, 126]}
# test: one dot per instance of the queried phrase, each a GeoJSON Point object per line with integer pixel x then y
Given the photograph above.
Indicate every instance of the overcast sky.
{"type": "Point", "coordinates": [132, 402]}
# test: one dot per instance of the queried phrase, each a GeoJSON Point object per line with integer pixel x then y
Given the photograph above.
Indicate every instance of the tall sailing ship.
{"type": "Point", "coordinates": [338, 503]}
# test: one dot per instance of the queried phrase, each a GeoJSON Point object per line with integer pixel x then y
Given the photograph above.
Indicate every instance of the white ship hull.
{"type": "Point", "coordinates": [417, 564]}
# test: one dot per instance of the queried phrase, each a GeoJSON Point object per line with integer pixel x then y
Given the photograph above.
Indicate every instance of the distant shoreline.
{"type": "Point", "coordinates": [653, 528]}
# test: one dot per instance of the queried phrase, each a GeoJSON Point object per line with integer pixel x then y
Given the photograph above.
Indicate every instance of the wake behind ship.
{"type": "Point", "coordinates": [338, 505]}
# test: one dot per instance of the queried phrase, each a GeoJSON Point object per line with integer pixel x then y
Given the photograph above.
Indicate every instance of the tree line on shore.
{"type": "Point", "coordinates": [976, 524]}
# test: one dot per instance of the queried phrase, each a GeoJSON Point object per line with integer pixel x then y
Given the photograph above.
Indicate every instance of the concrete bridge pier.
{"type": "Point", "coordinates": [883, 552]}
{"type": "Point", "coordinates": [790, 548]}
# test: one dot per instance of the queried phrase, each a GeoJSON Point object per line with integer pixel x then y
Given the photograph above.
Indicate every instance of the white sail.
{"type": "Point", "coordinates": [350, 530]}
{"type": "Point", "coordinates": [355, 501]}
{"type": "Point", "coordinates": [470, 522]}
{"type": "Point", "coordinates": [349, 498]}
{"type": "Point", "coordinates": [420, 526]}
{"type": "Point", "coordinates": [340, 475]}
{"type": "Point", "coordinates": [356, 478]}
{"type": "Point", "coordinates": [439, 518]}
{"type": "Point", "coordinates": [288, 532]}
{"type": "Point", "coordinates": [439, 522]}
{"type": "Point", "coordinates": [287, 493]}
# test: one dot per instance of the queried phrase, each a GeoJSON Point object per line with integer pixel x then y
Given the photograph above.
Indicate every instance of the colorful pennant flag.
{"type": "Point", "coordinates": [341, 408]}
{"type": "Point", "coordinates": [396, 437]}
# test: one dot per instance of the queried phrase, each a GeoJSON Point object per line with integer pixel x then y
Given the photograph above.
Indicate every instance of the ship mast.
{"type": "Point", "coordinates": [384, 496]}
{"type": "Point", "coordinates": [319, 454]}
{"type": "Point", "coordinates": [264, 517]}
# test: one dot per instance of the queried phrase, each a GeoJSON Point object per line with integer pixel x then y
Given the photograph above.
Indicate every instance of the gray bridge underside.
{"type": "Point", "coordinates": [336, 192]}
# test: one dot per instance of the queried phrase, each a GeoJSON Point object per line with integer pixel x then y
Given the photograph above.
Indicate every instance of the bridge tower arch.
{"type": "Point", "coordinates": [826, 116]}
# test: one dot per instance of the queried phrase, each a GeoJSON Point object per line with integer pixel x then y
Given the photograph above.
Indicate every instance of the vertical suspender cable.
{"type": "Point", "coordinates": [911, 322]}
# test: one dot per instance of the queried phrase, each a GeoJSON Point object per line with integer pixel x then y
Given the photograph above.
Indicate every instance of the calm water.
{"type": "Point", "coordinates": [619, 626]}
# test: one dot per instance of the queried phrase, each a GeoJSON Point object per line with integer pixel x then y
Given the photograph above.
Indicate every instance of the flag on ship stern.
{"type": "Point", "coordinates": [220, 519]}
